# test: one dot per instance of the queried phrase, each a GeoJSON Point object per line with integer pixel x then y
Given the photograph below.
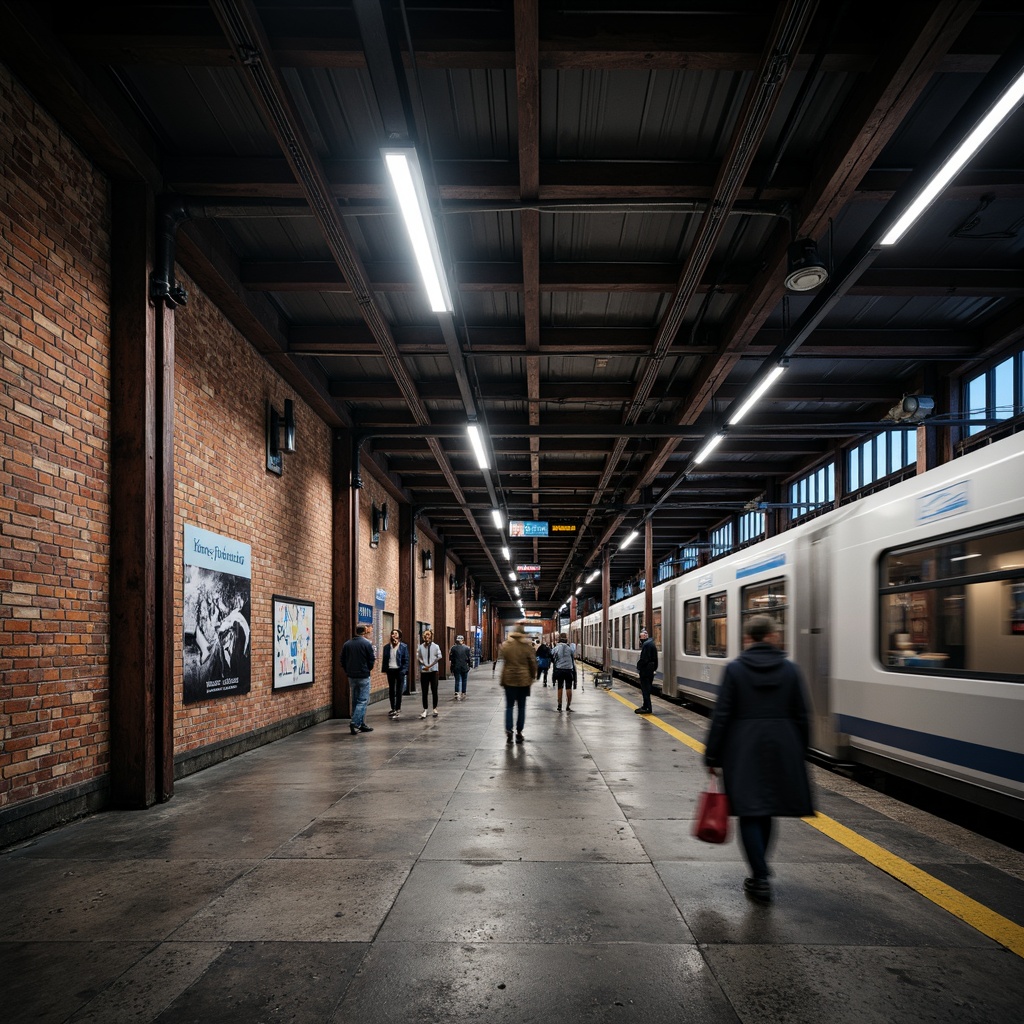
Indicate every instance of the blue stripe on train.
{"type": "Point", "coordinates": [1005, 764]}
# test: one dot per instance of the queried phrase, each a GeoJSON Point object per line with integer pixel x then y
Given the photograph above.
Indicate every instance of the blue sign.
{"type": "Point", "coordinates": [949, 501]}
{"type": "Point", "coordinates": [771, 562]}
{"type": "Point", "coordinates": [222, 554]}
{"type": "Point", "coordinates": [527, 528]}
{"type": "Point", "coordinates": [365, 614]}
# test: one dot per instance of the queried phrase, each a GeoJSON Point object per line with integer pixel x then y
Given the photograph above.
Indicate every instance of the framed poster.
{"type": "Point", "coordinates": [293, 642]}
{"type": "Point", "coordinates": [215, 643]}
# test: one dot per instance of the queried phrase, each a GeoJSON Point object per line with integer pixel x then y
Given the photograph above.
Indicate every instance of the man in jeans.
{"type": "Point", "coordinates": [357, 660]}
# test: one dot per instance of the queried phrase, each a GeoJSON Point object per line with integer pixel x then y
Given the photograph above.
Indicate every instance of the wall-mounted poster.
{"type": "Point", "coordinates": [216, 653]}
{"type": "Point", "coordinates": [293, 642]}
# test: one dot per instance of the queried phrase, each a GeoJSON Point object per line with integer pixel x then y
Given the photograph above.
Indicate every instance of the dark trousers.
{"type": "Point", "coordinates": [515, 698]}
{"type": "Point", "coordinates": [428, 681]}
{"type": "Point", "coordinates": [396, 683]}
{"type": "Point", "coordinates": [646, 688]}
{"type": "Point", "coordinates": [755, 834]}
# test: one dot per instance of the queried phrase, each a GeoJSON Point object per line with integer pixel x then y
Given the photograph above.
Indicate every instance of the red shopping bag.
{"type": "Point", "coordinates": [712, 824]}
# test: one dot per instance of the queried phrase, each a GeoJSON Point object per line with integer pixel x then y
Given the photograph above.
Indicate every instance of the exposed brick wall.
{"type": "Point", "coordinates": [378, 567]}
{"type": "Point", "coordinates": [221, 484]}
{"type": "Point", "coordinates": [54, 442]}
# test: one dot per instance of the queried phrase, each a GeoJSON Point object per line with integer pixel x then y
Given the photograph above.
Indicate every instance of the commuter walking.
{"type": "Point", "coordinates": [395, 662]}
{"type": "Point", "coordinates": [758, 737]}
{"type": "Point", "coordinates": [543, 662]}
{"type": "Point", "coordinates": [357, 660]}
{"type": "Point", "coordinates": [518, 672]}
{"type": "Point", "coordinates": [646, 666]}
{"type": "Point", "coordinates": [564, 667]}
{"type": "Point", "coordinates": [459, 659]}
{"type": "Point", "coordinates": [428, 655]}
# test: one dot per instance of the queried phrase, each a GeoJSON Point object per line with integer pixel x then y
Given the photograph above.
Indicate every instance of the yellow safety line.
{"type": "Point", "coordinates": [1002, 930]}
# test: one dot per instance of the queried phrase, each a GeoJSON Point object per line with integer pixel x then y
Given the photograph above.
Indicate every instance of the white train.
{"type": "Point", "coordinates": [905, 611]}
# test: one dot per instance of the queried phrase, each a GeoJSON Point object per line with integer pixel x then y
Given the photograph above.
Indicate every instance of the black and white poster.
{"type": "Point", "coordinates": [216, 652]}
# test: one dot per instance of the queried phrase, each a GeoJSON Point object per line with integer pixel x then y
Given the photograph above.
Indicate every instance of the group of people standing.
{"type": "Point", "coordinates": [757, 740]}
{"type": "Point", "coordinates": [358, 659]}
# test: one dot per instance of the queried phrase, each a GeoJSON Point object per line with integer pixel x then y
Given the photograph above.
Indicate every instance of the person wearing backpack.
{"type": "Point", "coordinates": [428, 655]}
{"type": "Point", "coordinates": [564, 666]}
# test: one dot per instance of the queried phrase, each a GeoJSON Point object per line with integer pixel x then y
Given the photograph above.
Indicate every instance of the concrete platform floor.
{"type": "Point", "coordinates": [429, 872]}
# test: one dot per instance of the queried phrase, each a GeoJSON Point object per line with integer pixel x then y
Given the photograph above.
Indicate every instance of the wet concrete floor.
{"type": "Point", "coordinates": [428, 871]}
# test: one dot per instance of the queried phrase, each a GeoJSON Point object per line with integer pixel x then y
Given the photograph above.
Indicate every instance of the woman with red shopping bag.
{"type": "Point", "coordinates": [757, 739]}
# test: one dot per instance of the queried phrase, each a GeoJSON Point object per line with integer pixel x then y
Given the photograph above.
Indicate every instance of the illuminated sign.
{"type": "Point", "coordinates": [534, 615]}
{"type": "Point", "coordinates": [527, 528]}
{"type": "Point", "coordinates": [563, 527]}
{"type": "Point", "coordinates": [527, 568]}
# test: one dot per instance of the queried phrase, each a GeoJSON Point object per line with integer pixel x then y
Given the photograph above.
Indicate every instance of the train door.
{"type": "Point", "coordinates": [814, 658]}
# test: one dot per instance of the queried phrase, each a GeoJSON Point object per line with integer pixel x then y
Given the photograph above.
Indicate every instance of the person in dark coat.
{"type": "Point", "coordinates": [543, 661]}
{"type": "Point", "coordinates": [646, 666]}
{"type": "Point", "coordinates": [395, 662]}
{"type": "Point", "coordinates": [357, 658]}
{"type": "Point", "coordinates": [758, 737]}
{"type": "Point", "coordinates": [459, 658]}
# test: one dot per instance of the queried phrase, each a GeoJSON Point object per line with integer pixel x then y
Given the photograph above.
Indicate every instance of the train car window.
{"type": "Point", "coordinates": [656, 627]}
{"type": "Point", "coordinates": [716, 634]}
{"type": "Point", "coordinates": [955, 605]}
{"type": "Point", "coordinates": [615, 633]}
{"type": "Point", "coordinates": [765, 599]}
{"type": "Point", "coordinates": [635, 626]}
{"type": "Point", "coordinates": [691, 627]}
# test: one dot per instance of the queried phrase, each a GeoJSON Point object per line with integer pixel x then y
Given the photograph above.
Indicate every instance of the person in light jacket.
{"type": "Point", "coordinates": [758, 737]}
{"type": "Point", "coordinates": [428, 656]}
{"type": "Point", "coordinates": [518, 671]}
{"type": "Point", "coordinates": [564, 666]}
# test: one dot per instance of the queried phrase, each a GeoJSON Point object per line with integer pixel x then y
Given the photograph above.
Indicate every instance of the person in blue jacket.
{"type": "Point", "coordinates": [395, 662]}
{"type": "Point", "coordinates": [758, 737]}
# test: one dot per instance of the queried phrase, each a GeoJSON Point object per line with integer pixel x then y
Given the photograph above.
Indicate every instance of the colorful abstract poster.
{"type": "Point", "coordinates": [216, 648]}
{"type": "Point", "coordinates": [293, 642]}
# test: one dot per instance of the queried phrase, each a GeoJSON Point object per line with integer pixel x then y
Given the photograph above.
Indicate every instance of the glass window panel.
{"type": "Point", "coordinates": [977, 399]}
{"type": "Point", "coordinates": [717, 621]}
{"type": "Point", "coordinates": [1003, 391]}
{"type": "Point", "coordinates": [854, 477]}
{"type": "Point", "coordinates": [691, 627]}
{"type": "Point", "coordinates": [656, 627]}
{"type": "Point", "coordinates": [767, 598]}
{"type": "Point", "coordinates": [881, 460]}
{"type": "Point", "coordinates": [973, 625]}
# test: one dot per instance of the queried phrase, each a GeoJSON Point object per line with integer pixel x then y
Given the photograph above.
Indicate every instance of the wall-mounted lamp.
{"type": "Point", "coordinates": [378, 522]}
{"type": "Point", "coordinates": [428, 562]}
{"type": "Point", "coordinates": [805, 268]}
{"type": "Point", "coordinates": [280, 435]}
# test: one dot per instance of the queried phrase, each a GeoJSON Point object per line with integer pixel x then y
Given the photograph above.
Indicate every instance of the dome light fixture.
{"type": "Point", "coordinates": [807, 270]}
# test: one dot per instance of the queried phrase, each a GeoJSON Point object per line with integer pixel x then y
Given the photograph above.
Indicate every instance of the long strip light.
{"type": "Point", "coordinates": [629, 540]}
{"type": "Point", "coordinates": [593, 576]}
{"type": "Point", "coordinates": [508, 554]}
{"type": "Point", "coordinates": [712, 444]}
{"type": "Point", "coordinates": [954, 163]}
{"type": "Point", "coordinates": [496, 515]}
{"type": "Point", "coordinates": [404, 167]}
{"type": "Point", "coordinates": [477, 441]}
{"type": "Point", "coordinates": [773, 375]}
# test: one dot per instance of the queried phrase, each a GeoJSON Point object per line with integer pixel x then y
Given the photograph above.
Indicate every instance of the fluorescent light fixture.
{"type": "Point", "coordinates": [629, 540]}
{"type": "Point", "coordinates": [963, 558]}
{"type": "Point", "coordinates": [499, 521]}
{"type": "Point", "coordinates": [473, 429]}
{"type": "Point", "coordinates": [404, 167]}
{"type": "Point", "coordinates": [507, 554]}
{"type": "Point", "coordinates": [593, 576]}
{"type": "Point", "coordinates": [512, 576]}
{"type": "Point", "coordinates": [712, 444]}
{"type": "Point", "coordinates": [773, 375]}
{"type": "Point", "coordinates": [516, 590]}
{"type": "Point", "coordinates": [956, 160]}
{"type": "Point", "coordinates": [578, 589]}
